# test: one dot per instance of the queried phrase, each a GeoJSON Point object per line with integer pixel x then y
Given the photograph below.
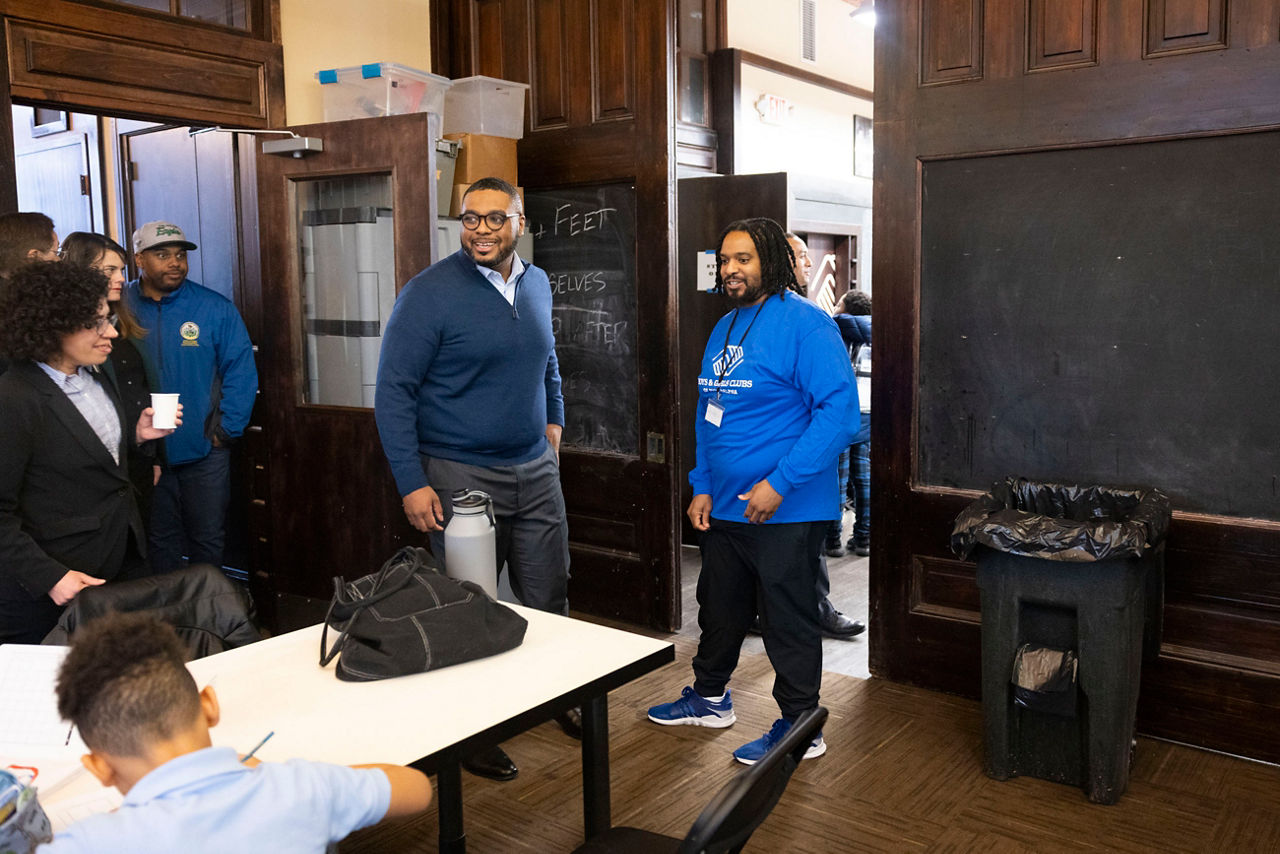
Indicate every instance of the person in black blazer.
{"type": "Point", "coordinates": [127, 367]}
{"type": "Point", "coordinates": [68, 514]}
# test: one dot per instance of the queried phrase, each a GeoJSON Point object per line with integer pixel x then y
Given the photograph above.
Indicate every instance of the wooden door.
{"type": "Point", "coordinates": [601, 75]}
{"type": "Point", "coordinates": [325, 503]}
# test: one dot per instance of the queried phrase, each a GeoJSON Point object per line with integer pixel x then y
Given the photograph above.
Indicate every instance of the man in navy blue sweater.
{"type": "Point", "coordinates": [776, 405]}
{"type": "Point", "coordinates": [468, 396]}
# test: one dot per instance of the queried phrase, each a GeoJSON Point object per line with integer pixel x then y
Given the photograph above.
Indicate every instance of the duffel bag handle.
{"type": "Point", "coordinates": [380, 591]}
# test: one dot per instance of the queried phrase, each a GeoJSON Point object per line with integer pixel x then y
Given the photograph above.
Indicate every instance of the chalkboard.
{"type": "Point", "coordinates": [1106, 315]}
{"type": "Point", "coordinates": [584, 238]}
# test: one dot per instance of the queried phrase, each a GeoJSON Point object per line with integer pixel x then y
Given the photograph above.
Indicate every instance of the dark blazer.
{"type": "Point", "coordinates": [64, 502]}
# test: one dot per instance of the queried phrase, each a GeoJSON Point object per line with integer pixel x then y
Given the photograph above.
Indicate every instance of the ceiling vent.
{"type": "Point", "coordinates": [809, 30]}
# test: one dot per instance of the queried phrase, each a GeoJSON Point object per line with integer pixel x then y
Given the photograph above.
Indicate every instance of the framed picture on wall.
{"type": "Point", "coordinates": [862, 152]}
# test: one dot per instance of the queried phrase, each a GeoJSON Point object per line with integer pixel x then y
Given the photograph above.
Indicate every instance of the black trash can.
{"type": "Point", "coordinates": [1072, 586]}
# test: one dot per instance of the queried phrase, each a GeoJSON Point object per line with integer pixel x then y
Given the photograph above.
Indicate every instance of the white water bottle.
{"type": "Point", "coordinates": [470, 541]}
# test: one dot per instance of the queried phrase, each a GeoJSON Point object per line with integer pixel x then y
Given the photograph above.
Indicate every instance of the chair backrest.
{"type": "Point", "coordinates": [209, 612]}
{"type": "Point", "coordinates": [745, 801]}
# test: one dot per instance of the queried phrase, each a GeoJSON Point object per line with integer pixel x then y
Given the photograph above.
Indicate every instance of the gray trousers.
{"type": "Point", "coordinates": [528, 509]}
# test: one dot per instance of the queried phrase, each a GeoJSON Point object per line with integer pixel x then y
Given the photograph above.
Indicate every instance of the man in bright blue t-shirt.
{"type": "Point", "coordinates": [776, 405]}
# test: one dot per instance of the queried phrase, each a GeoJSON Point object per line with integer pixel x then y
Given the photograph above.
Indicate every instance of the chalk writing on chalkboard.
{"type": "Point", "coordinates": [584, 238]}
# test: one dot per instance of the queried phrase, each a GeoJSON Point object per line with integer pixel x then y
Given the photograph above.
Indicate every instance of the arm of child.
{"type": "Point", "coordinates": [410, 789]}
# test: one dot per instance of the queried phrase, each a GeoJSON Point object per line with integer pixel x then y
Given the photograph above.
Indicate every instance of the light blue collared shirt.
{"type": "Point", "coordinates": [207, 801]}
{"type": "Point", "coordinates": [93, 402]}
{"type": "Point", "coordinates": [508, 287]}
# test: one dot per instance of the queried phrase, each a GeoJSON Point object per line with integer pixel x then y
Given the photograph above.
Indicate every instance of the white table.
{"type": "Point", "coordinates": [431, 720]}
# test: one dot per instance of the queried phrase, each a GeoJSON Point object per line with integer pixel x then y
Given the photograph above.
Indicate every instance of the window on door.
{"type": "Point", "coordinates": [347, 259]}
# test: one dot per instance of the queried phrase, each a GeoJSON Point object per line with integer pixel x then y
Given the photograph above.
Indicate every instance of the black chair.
{"type": "Point", "coordinates": [734, 813]}
{"type": "Point", "coordinates": [209, 612]}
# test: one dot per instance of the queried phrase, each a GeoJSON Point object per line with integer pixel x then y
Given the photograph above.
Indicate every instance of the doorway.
{"type": "Point", "coordinates": [109, 175]}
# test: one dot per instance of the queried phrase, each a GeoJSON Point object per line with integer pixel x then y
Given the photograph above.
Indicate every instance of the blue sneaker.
{"type": "Point", "coordinates": [753, 751]}
{"type": "Point", "coordinates": [694, 710]}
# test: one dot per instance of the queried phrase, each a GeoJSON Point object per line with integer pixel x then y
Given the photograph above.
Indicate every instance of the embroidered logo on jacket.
{"type": "Point", "coordinates": [190, 333]}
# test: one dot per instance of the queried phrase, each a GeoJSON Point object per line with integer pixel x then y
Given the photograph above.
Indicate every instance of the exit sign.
{"type": "Point", "coordinates": [773, 109]}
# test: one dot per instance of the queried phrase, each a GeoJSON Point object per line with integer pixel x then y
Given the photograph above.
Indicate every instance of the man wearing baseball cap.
{"type": "Point", "coordinates": [199, 348]}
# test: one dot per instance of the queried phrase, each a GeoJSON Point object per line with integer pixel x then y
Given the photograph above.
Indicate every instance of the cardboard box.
{"type": "Point", "coordinates": [484, 156]}
{"type": "Point", "coordinates": [455, 203]}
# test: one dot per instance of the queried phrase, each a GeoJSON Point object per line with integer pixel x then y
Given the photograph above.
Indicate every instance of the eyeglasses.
{"type": "Point", "coordinates": [494, 219]}
{"type": "Point", "coordinates": [100, 324]}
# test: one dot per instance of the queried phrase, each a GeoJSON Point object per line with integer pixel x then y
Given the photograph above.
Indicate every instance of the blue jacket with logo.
{"type": "Point", "coordinates": [790, 406]}
{"type": "Point", "coordinates": [198, 347]}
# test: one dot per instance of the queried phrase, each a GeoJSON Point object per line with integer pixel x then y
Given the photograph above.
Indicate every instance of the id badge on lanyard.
{"type": "Point", "coordinates": [715, 409]}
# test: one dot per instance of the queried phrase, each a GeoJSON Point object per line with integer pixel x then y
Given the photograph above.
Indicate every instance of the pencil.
{"type": "Point", "coordinates": [258, 746]}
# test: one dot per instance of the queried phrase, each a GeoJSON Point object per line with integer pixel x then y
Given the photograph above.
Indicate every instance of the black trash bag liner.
{"type": "Point", "coordinates": [1044, 680]}
{"type": "Point", "coordinates": [1064, 522]}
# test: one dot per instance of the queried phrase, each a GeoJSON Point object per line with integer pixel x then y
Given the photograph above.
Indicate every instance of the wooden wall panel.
{"type": "Point", "coordinates": [1178, 26]}
{"type": "Point", "coordinates": [951, 41]}
{"type": "Point", "coordinates": [1217, 66]}
{"type": "Point", "coordinates": [489, 48]}
{"type": "Point", "coordinates": [612, 59]}
{"type": "Point", "coordinates": [549, 94]}
{"type": "Point", "coordinates": [126, 63]}
{"type": "Point", "coordinates": [1061, 33]}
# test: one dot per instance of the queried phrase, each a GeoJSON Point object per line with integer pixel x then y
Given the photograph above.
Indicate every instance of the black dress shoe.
{"type": "Point", "coordinates": [493, 763]}
{"type": "Point", "coordinates": [838, 626]}
{"type": "Point", "coordinates": [571, 723]}
{"type": "Point", "coordinates": [754, 628]}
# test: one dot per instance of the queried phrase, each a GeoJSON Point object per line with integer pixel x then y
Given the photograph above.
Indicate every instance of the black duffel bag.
{"type": "Point", "coordinates": [408, 618]}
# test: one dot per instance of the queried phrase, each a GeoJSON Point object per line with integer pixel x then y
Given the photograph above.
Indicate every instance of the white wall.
{"type": "Point", "coordinates": [816, 138]}
{"type": "Point", "coordinates": [320, 34]}
{"type": "Point", "coordinates": [772, 28]}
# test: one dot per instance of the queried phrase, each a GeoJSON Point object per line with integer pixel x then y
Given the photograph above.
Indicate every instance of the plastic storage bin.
{"type": "Point", "coordinates": [485, 105]}
{"type": "Point", "coordinates": [1067, 574]}
{"type": "Point", "coordinates": [380, 89]}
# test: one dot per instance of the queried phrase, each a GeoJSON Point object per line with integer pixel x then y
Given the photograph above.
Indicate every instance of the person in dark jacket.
{"type": "Point", "coordinates": [854, 320]}
{"type": "Point", "coordinates": [68, 516]}
{"type": "Point", "coordinates": [126, 366]}
{"type": "Point", "coordinates": [834, 623]}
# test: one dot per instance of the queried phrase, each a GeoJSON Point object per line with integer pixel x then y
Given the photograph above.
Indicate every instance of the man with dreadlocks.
{"type": "Point", "coordinates": [776, 404]}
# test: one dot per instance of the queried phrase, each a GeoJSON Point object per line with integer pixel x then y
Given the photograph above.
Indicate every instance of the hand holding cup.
{"type": "Point", "coordinates": [153, 417]}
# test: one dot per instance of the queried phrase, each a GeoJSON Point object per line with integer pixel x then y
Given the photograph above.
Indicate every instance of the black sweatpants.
{"type": "Point", "coordinates": [770, 570]}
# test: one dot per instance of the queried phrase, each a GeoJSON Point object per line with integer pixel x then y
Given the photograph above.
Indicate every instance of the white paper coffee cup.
{"type": "Point", "coordinates": [166, 411]}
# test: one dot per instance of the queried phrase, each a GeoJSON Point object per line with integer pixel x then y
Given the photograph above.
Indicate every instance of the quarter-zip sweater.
{"type": "Point", "coordinates": [464, 375]}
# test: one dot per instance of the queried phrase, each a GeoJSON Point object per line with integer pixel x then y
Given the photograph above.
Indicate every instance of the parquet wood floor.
{"type": "Point", "coordinates": [903, 773]}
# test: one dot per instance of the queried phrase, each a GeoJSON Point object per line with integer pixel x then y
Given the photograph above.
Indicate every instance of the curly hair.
{"type": "Point", "coordinates": [125, 685]}
{"type": "Point", "coordinates": [87, 249]}
{"type": "Point", "coordinates": [855, 302]}
{"type": "Point", "coordinates": [19, 234]}
{"type": "Point", "coordinates": [777, 260]}
{"type": "Point", "coordinates": [44, 302]}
